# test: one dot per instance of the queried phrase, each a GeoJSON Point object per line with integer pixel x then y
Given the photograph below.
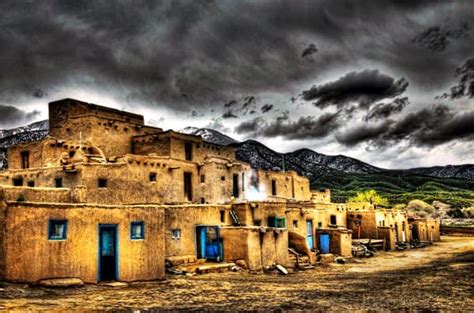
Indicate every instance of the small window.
{"type": "Point", "coordinates": [72, 153]}
{"type": "Point", "coordinates": [333, 220]}
{"type": "Point", "coordinates": [102, 182]}
{"type": "Point", "coordinates": [18, 181]}
{"type": "Point", "coordinates": [31, 183]}
{"type": "Point", "coordinates": [152, 176]}
{"type": "Point", "coordinates": [274, 188]}
{"type": "Point", "coordinates": [222, 178]}
{"type": "Point", "coordinates": [295, 224]}
{"type": "Point", "coordinates": [57, 229]}
{"type": "Point", "coordinates": [222, 216]}
{"type": "Point", "coordinates": [203, 178]}
{"type": "Point", "coordinates": [176, 234]}
{"type": "Point", "coordinates": [320, 224]}
{"type": "Point", "coordinates": [58, 182]}
{"type": "Point", "coordinates": [203, 200]}
{"type": "Point", "coordinates": [137, 230]}
{"type": "Point", "coordinates": [25, 159]}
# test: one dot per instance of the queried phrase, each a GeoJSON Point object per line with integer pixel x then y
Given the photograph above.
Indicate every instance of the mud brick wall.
{"type": "Point", "coordinates": [259, 247]}
{"type": "Point", "coordinates": [387, 233]}
{"type": "Point", "coordinates": [186, 218]}
{"type": "Point", "coordinates": [30, 256]}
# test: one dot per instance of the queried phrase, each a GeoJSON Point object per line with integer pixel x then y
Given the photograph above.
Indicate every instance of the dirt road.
{"type": "Point", "coordinates": [436, 277]}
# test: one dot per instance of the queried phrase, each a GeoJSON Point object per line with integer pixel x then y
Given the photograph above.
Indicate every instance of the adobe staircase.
{"type": "Point", "coordinates": [301, 262]}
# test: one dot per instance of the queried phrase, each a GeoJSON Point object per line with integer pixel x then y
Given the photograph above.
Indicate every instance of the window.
{"type": "Point", "coordinates": [203, 178]}
{"type": "Point", "coordinates": [333, 220]}
{"type": "Point", "coordinates": [31, 183]}
{"type": "Point", "coordinates": [320, 224]}
{"type": "Point", "coordinates": [137, 230]}
{"type": "Point", "coordinates": [18, 181]}
{"type": "Point", "coordinates": [243, 181]}
{"type": "Point", "coordinates": [203, 200]}
{"type": "Point", "coordinates": [58, 182]}
{"type": "Point", "coordinates": [222, 216]}
{"type": "Point", "coordinates": [295, 224]}
{"type": "Point", "coordinates": [152, 176]}
{"type": "Point", "coordinates": [25, 159]}
{"type": "Point", "coordinates": [72, 153]}
{"type": "Point", "coordinates": [102, 183]}
{"type": "Point", "coordinates": [57, 229]}
{"type": "Point", "coordinates": [176, 234]}
{"type": "Point", "coordinates": [274, 188]}
{"type": "Point", "coordinates": [222, 178]}
{"type": "Point", "coordinates": [188, 151]}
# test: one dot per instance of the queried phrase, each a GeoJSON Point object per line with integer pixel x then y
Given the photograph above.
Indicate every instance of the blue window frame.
{"type": "Point", "coordinates": [57, 230]}
{"type": "Point", "coordinates": [137, 230]}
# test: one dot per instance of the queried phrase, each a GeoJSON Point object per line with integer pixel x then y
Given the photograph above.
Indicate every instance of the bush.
{"type": "Point", "coordinates": [456, 213]}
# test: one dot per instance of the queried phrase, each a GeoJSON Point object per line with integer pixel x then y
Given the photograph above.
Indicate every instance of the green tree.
{"type": "Point", "coordinates": [369, 196]}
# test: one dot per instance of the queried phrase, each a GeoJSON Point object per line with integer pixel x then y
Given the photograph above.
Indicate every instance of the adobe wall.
{"type": "Point", "coordinates": [42, 177]}
{"type": "Point", "coordinates": [340, 241]}
{"type": "Point", "coordinates": [109, 129]}
{"type": "Point", "coordinates": [30, 256]}
{"type": "Point", "coordinates": [301, 215]}
{"type": "Point", "coordinates": [288, 185]}
{"type": "Point", "coordinates": [260, 247]}
{"type": "Point", "coordinates": [321, 196]}
{"type": "Point", "coordinates": [387, 233]}
{"type": "Point", "coordinates": [218, 180]}
{"type": "Point", "coordinates": [172, 144]}
{"type": "Point", "coordinates": [434, 229]}
{"type": "Point", "coordinates": [336, 209]}
{"type": "Point", "coordinates": [368, 224]}
{"type": "Point", "coordinates": [50, 195]}
{"type": "Point", "coordinates": [3, 235]}
{"type": "Point", "coordinates": [186, 218]}
{"type": "Point", "coordinates": [48, 153]}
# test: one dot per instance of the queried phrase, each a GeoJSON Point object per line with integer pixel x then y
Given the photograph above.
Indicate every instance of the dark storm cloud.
{"type": "Point", "coordinates": [385, 110]}
{"type": "Point", "coordinates": [309, 51]}
{"type": "Point", "coordinates": [465, 84]}
{"type": "Point", "coordinates": [187, 53]}
{"type": "Point", "coordinates": [307, 127]}
{"type": "Point", "coordinates": [355, 135]}
{"type": "Point", "coordinates": [437, 39]}
{"type": "Point", "coordinates": [364, 88]}
{"type": "Point", "coordinates": [249, 126]}
{"type": "Point", "coordinates": [11, 116]}
{"type": "Point", "coordinates": [266, 107]}
{"type": "Point", "coordinates": [229, 114]}
{"type": "Point", "coordinates": [426, 127]}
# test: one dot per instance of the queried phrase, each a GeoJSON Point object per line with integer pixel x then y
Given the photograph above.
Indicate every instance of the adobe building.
{"type": "Point", "coordinates": [369, 222]}
{"type": "Point", "coordinates": [105, 197]}
{"type": "Point", "coordinates": [425, 229]}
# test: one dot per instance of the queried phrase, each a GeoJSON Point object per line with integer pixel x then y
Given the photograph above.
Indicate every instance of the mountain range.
{"type": "Point", "coordinates": [453, 184]}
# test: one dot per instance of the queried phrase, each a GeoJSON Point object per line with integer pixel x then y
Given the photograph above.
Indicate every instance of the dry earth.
{"type": "Point", "coordinates": [439, 277]}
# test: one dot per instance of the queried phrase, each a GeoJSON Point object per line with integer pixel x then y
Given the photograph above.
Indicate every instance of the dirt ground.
{"type": "Point", "coordinates": [438, 277]}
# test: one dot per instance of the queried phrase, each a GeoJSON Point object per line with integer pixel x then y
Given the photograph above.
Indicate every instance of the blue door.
{"type": "Point", "coordinates": [209, 243]}
{"type": "Point", "coordinates": [108, 254]}
{"type": "Point", "coordinates": [309, 234]}
{"type": "Point", "coordinates": [201, 242]}
{"type": "Point", "coordinates": [324, 243]}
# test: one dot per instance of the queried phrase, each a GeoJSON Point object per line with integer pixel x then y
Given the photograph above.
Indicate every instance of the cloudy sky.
{"type": "Point", "coordinates": [387, 82]}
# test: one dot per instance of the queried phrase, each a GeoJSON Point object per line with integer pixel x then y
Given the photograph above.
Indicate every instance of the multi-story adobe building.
{"type": "Point", "coordinates": [105, 197]}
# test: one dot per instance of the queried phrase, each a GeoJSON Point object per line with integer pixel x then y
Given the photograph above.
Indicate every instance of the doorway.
{"type": "Point", "coordinates": [188, 151]}
{"type": "Point", "coordinates": [235, 185]}
{"type": "Point", "coordinates": [209, 243]}
{"type": "Point", "coordinates": [108, 256]}
{"type": "Point", "coordinates": [188, 187]}
{"type": "Point", "coordinates": [309, 234]}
